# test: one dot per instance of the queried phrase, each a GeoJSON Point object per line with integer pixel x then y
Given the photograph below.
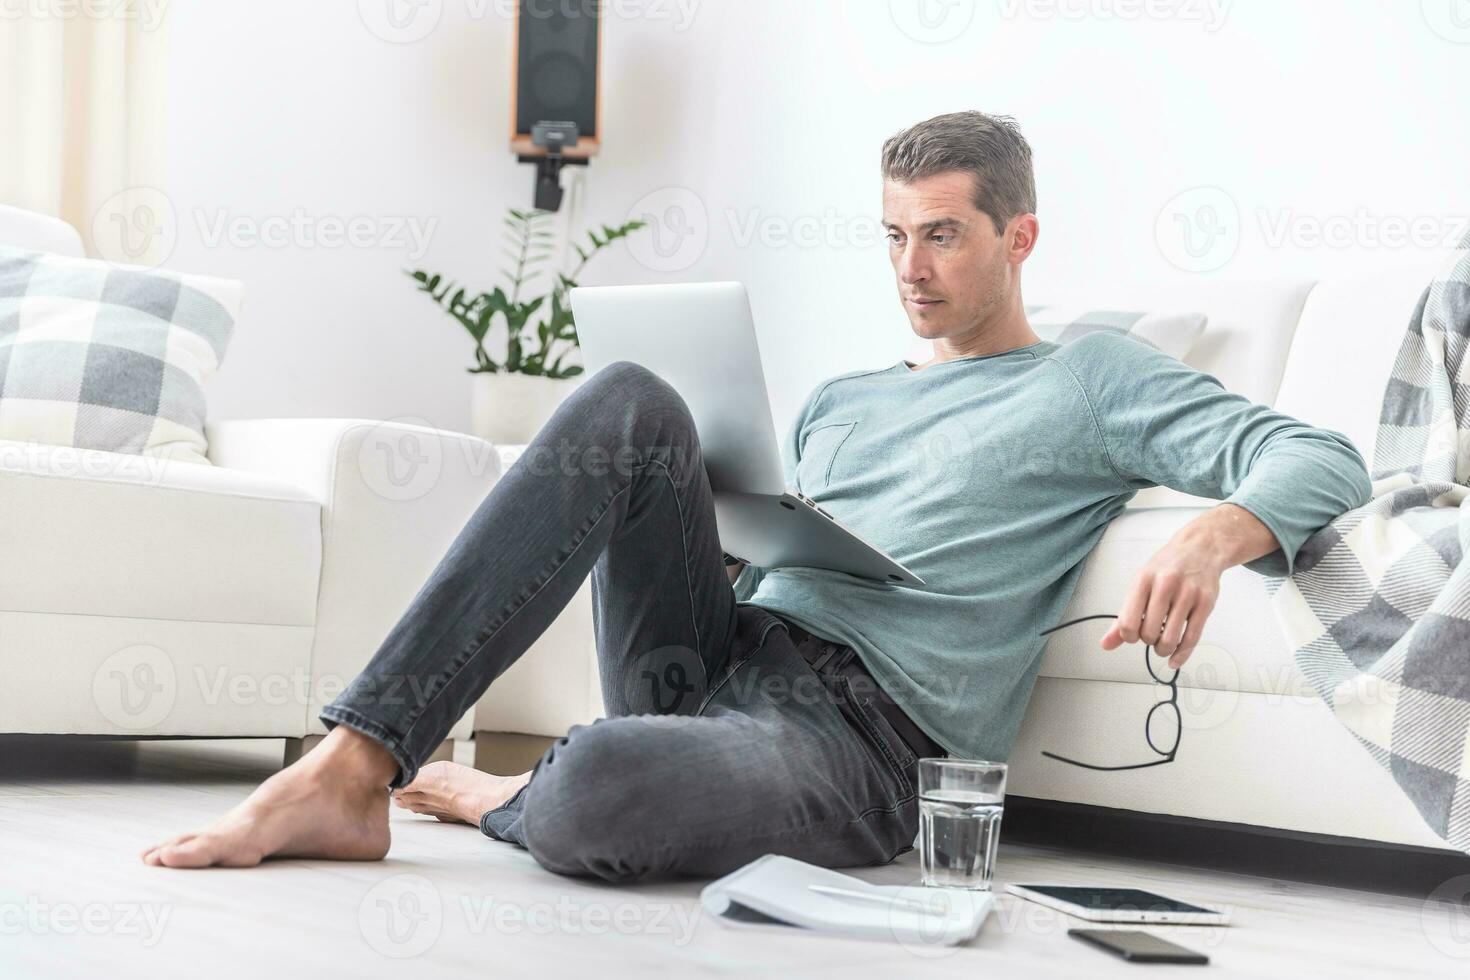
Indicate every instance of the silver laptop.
{"type": "Point", "coordinates": [699, 337]}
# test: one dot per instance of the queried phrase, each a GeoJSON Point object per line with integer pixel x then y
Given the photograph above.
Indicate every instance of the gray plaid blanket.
{"type": "Point", "coordinates": [1377, 612]}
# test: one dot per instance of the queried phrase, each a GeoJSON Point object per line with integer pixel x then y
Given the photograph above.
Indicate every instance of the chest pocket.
{"type": "Point", "coordinates": [819, 455]}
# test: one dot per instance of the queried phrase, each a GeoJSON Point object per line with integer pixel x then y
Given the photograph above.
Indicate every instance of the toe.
{"type": "Point", "coordinates": [204, 851]}
{"type": "Point", "coordinates": [417, 802]}
{"type": "Point", "coordinates": [151, 855]}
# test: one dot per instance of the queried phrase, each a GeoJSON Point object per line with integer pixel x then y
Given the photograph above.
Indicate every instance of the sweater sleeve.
{"type": "Point", "coordinates": [1166, 424]}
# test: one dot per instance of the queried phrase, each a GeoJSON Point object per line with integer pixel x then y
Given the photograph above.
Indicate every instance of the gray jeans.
{"type": "Point", "coordinates": [722, 744]}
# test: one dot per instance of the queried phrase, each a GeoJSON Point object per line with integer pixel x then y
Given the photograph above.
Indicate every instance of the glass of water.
{"type": "Point", "coordinates": [960, 803]}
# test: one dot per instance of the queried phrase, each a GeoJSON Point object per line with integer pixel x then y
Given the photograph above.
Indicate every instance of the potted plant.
{"type": "Point", "coordinates": [512, 398]}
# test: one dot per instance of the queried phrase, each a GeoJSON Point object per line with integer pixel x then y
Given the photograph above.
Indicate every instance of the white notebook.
{"type": "Point", "coordinates": [776, 890]}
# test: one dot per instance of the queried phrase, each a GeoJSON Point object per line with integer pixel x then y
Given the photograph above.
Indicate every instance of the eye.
{"type": "Point", "coordinates": [894, 238]}
{"type": "Point", "coordinates": [941, 238]}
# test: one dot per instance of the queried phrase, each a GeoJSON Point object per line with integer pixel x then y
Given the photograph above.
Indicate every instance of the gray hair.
{"type": "Point", "coordinates": [990, 147]}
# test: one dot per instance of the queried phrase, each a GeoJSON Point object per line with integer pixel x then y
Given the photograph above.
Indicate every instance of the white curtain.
{"type": "Point", "coordinates": [81, 113]}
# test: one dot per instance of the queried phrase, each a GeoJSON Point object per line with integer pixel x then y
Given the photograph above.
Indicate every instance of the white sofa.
{"type": "Point", "coordinates": [1258, 747]}
{"type": "Point", "coordinates": [145, 599]}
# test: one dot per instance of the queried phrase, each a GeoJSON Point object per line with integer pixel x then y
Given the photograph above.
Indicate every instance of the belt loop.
{"type": "Point", "coordinates": [827, 650]}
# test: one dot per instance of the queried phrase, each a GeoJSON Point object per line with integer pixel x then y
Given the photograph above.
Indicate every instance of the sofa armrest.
{"type": "Point", "coordinates": [394, 495]}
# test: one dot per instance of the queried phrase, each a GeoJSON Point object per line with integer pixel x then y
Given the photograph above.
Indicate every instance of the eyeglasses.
{"type": "Point", "coordinates": [1170, 710]}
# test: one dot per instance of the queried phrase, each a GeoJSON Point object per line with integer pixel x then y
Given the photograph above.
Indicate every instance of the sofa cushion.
{"type": "Point", "coordinates": [1242, 648]}
{"type": "Point", "coordinates": [109, 357]}
{"type": "Point", "coordinates": [38, 232]}
{"type": "Point", "coordinates": [1345, 346]}
{"type": "Point", "coordinates": [109, 534]}
{"type": "Point", "coordinates": [1173, 333]}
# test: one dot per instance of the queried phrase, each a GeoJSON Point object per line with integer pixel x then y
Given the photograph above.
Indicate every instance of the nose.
{"type": "Point", "coordinates": [912, 266]}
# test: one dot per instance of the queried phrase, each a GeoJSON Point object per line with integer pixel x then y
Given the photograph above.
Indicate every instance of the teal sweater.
{"type": "Point", "coordinates": [992, 478]}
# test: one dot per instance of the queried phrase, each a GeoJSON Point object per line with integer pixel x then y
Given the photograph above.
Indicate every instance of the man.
{"type": "Point", "coordinates": [786, 714]}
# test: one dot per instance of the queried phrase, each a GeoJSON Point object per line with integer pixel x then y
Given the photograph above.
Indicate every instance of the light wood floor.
{"type": "Point", "coordinates": [76, 901]}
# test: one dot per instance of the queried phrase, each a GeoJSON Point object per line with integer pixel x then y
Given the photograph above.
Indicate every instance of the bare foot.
{"type": "Point", "coordinates": [331, 804]}
{"type": "Point", "coordinates": [457, 793]}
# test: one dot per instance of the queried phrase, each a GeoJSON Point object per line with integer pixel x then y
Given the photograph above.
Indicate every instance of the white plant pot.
{"type": "Point", "coordinates": [509, 409]}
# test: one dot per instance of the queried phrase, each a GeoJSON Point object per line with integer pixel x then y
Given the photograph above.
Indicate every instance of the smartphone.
{"type": "Point", "coordinates": [1138, 947]}
{"type": "Point", "coordinates": [1118, 905]}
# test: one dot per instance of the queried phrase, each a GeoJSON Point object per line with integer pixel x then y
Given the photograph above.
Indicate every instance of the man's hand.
{"type": "Point", "coordinates": [1174, 593]}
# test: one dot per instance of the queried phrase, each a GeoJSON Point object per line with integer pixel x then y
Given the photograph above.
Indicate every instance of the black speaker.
{"type": "Point", "coordinates": [557, 60]}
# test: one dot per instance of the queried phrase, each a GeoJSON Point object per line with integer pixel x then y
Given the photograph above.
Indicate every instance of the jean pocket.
{"type": "Point", "coordinates": [901, 760]}
{"type": "Point", "coordinates": [819, 452]}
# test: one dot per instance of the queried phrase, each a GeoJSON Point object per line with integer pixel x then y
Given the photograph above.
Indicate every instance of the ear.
{"type": "Point", "coordinates": [1020, 236]}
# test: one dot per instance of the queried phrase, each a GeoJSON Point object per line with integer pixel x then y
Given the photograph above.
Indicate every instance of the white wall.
{"type": "Point", "coordinates": [760, 118]}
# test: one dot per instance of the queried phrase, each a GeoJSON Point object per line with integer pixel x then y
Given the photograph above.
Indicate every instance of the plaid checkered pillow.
{"type": "Point", "coordinates": [100, 356]}
{"type": "Point", "coordinates": [1173, 333]}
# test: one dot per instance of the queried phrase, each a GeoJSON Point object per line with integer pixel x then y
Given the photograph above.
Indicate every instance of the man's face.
{"type": "Point", "coordinates": [954, 270]}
